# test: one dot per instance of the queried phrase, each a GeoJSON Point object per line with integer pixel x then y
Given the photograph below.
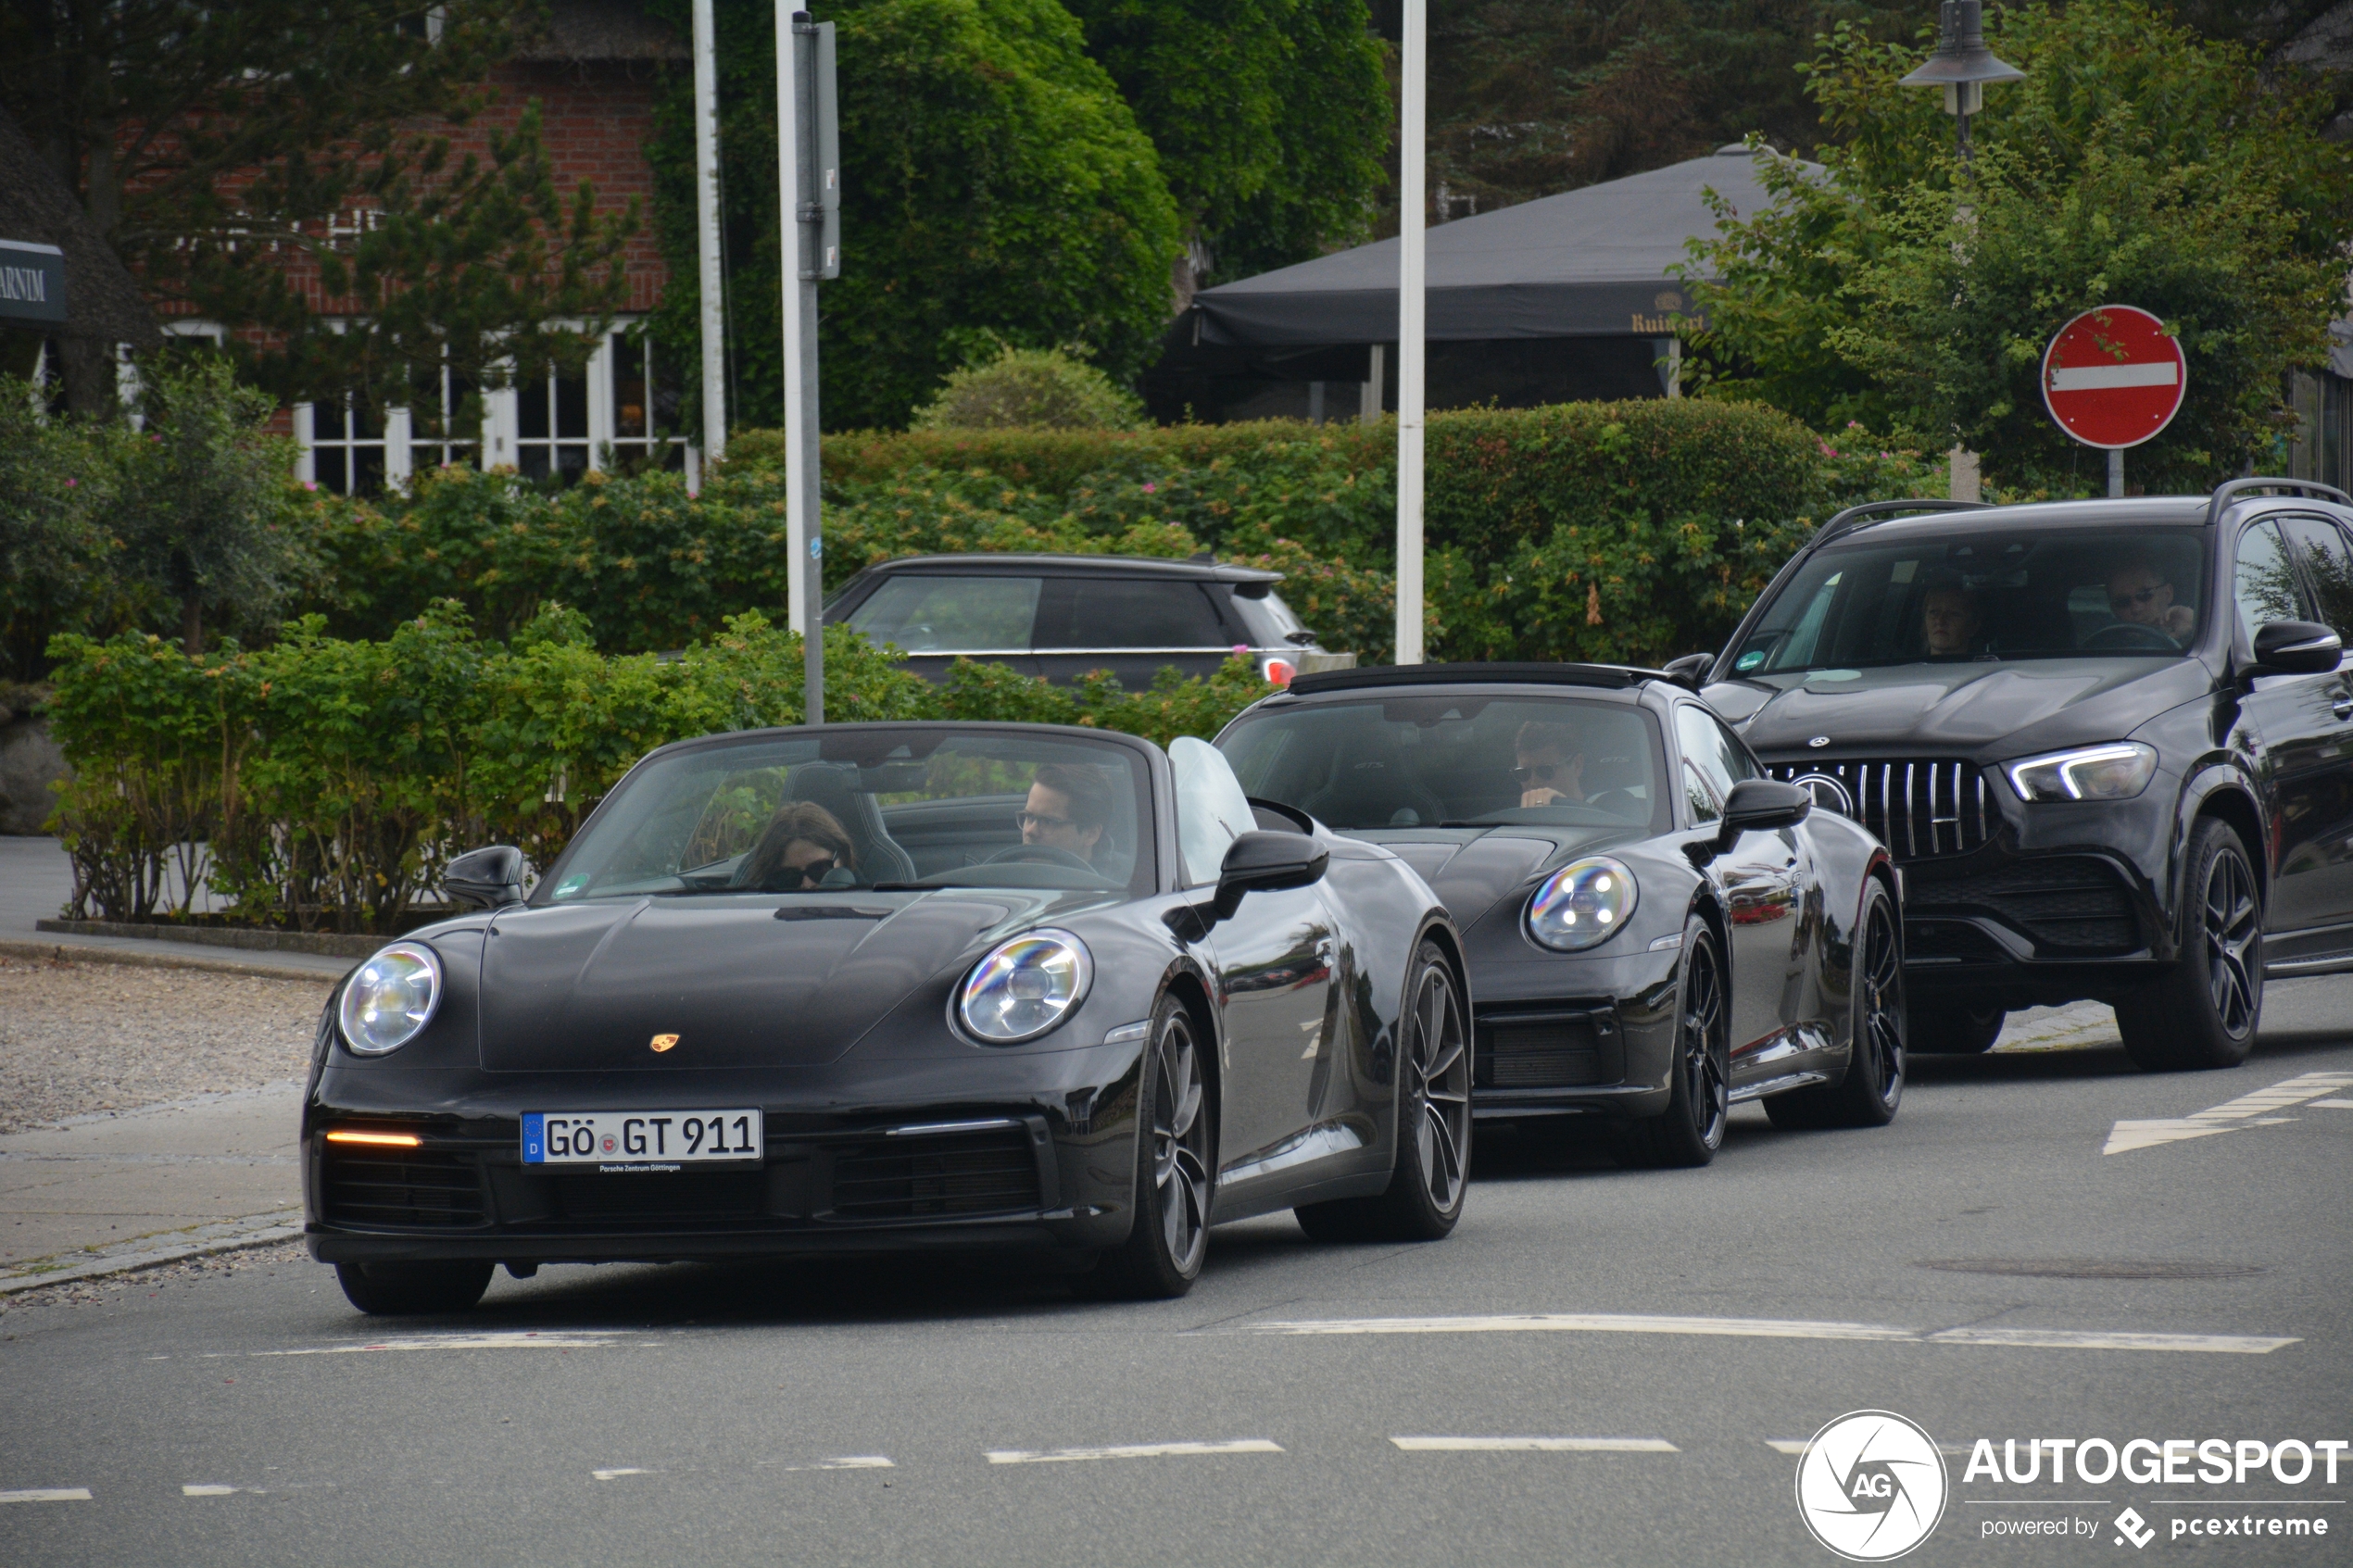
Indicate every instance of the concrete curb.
{"type": "Point", "coordinates": [317, 944]}
{"type": "Point", "coordinates": [197, 1241]}
{"type": "Point", "coordinates": [77, 952]}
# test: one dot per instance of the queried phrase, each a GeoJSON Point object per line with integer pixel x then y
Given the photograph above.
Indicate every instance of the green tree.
{"type": "Point", "coordinates": [1026, 387]}
{"type": "Point", "coordinates": [206, 498]}
{"type": "Point", "coordinates": [1270, 118]}
{"type": "Point", "coordinates": [995, 190]}
{"type": "Point", "coordinates": [2137, 163]}
{"type": "Point", "coordinates": [199, 137]}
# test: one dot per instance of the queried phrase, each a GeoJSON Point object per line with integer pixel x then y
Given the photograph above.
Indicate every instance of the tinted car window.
{"type": "Point", "coordinates": [1981, 592]}
{"type": "Point", "coordinates": [1464, 760]}
{"type": "Point", "coordinates": [925, 614]}
{"type": "Point", "coordinates": [1713, 756]}
{"type": "Point", "coordinates": [2328, 568]}
{"type": "Point", "coordinates": [2265, 584]}
{"type": "Point", "coordinates": [1112, 614]}
{"type": "Point", "coordinates": [1211, 810]}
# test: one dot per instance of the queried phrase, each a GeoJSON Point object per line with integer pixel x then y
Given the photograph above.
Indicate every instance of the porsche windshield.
{"type": "Point", "coordinates": [861, 809]}
{"type": "Point", "coordinates": [1961, 591]}
{"type": "Point", "coordinates": [1463, 759]}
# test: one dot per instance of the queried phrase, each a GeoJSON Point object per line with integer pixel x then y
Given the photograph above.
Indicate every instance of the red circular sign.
{"type": "Point", "coordinates": [2112, 378]}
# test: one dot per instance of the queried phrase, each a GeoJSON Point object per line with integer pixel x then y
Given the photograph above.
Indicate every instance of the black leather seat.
{"type": "Point", "coordinates": [879, 857]}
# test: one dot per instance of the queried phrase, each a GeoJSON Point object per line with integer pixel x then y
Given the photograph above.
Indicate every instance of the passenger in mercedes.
{"type": "Point", "coordinates": [1550, 764]}
{"type": "Point", "coordinates": [804, 846]}
{"type": "Point", "coordinates": [1951, 618]}
{"type": "Point", "coordinates": [2139, 591]}
{"type": "Point", "coordinates": [1068, 809]}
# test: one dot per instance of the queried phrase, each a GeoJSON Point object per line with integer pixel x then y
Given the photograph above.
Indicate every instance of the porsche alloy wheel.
{"type": "Point", "coordinates": [1690, 1129]}
{"type": "Point", "coordinates": [1163, 1254]}
{"type": "Point", "coordinates": [1874, 1086]}
{"type": "Point", "coordinates": [2204, 1011]}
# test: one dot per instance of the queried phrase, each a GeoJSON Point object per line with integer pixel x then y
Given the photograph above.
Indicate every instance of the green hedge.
{"type": "Point", "coordinates": [1617, 530]}
{"type": "Point", "coordinates": [322, 782]}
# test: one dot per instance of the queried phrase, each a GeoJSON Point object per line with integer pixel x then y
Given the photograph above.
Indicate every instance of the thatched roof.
{"type": "Point", "coordinates": [102, 297]}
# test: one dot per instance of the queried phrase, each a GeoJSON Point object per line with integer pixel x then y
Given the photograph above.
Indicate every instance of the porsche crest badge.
{"type": "Point", "coordinates": [662, 1042]}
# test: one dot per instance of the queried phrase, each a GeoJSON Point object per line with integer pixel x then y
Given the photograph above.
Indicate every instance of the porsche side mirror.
{"type": "Point", "coordinates": [1688, 670]}
{"type": "Point", "coordinates": [486, 879]}
{"type": "Point", "coordinates": [1762, 805]}
{"type": "Point", "coordinates": [2296, 648]}
{"type": "Point", "coordinates": [1264, 862]}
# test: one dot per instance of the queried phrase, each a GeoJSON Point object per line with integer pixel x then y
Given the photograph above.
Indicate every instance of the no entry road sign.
{"type": "Point", "coordinates": [2112, 378]}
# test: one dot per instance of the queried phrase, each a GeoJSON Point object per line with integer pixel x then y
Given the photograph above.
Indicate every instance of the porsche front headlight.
{"type": "Point", "coordinates": [1584, 903]}
{"type": "Point", "coordinates": [1025, 987]}
{"type": "Point", "coordinates": [2116, 772]}
{"type": "Point", "coordinates": [390, 997]}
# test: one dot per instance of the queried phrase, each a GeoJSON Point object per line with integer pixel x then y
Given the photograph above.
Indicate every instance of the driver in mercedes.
{"type": "Point", "coordinates": [2140, 594]}
{"type": "Point", "coordinates": [1068, 809]}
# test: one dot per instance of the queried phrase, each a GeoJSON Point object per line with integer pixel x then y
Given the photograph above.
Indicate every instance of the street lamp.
{"type": "Point", "coordinates": [1962, 66]}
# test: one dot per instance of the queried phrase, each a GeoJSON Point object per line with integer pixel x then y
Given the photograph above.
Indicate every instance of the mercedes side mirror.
{"type": "Point", "coordinates": [1762, 806]}
{"type": "Point", "coordinates": [486, 879]}
{"type": "Point", "coordinates": [2296, 648]}
{"type": "Point", "coordinates": [1690, 671]}
{"type": "Point", "coordinates": [1264, 862]}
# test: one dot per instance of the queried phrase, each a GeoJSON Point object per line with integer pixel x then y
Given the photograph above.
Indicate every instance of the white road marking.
{"type": "Point", "coordinates": [2256, 1110]}
{"type": "Point", "coordinates": [2095, 378]}
{"type": "Point", "coordinates": [510, 1339]}
{"type": "Point", "coordinates": [1536, 1444]}
{"type": "Point", "coordinates": [1132, 1450]}
{"type": "Point", "coordinates": [616, 1474]}
{"type": "Point", "coordinates": [1772, 1328]}
{"type": "Point", "coordinates": [2332, 1105]}
{"type": "Point", "coordinates": [204, 1491]}
{"type": "Point", "coordinates": [848, 1461]}
{"type": "Point", "coordinates": [47, 1494]}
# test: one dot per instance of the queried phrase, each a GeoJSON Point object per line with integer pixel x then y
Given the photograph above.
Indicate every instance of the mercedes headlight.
{"type": "Point", "coordinates": [390, 997]}
{"type": "Point", "coordinates": [1583, 903]}
{"type": "Point", "coordinates": [2116, 772]}
{"type": "Point", "coordinates": [1025, 987]}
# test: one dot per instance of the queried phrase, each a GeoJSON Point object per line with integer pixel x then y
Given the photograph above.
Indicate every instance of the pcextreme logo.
{"type": "Point", "coordinates": [1871, 1486]}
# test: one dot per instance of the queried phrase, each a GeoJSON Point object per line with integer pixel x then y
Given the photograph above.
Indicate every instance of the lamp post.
{"type": "Point", "coordinates": [1962, 64]}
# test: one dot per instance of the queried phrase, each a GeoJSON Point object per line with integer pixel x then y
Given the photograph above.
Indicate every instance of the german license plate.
{"type": "Point", "coordinates": [641, 1140]}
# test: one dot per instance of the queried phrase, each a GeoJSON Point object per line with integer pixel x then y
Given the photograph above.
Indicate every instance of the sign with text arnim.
{"type": "Point", "coordinates": [33, 282]}
{"type": "Point", "coordinates": [2112, 378]}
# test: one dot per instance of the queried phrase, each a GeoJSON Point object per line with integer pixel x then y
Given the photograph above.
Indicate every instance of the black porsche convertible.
{"type": "Point", "coordinates": [866, 987]}
{"type": "Point", "coordinates": [1657, 930]}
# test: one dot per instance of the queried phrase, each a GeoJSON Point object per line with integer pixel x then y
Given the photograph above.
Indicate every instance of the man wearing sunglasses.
{"type": "Point", "coordinates": [1068, 807]}
{"type": "Point", "coordinates": [2138, 592]}
{"type": "Point", "coordinates": [1550, 764]}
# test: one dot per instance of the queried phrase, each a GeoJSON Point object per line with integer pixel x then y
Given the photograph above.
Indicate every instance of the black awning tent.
{"type": "Point", "coordinates": [1588, 263]}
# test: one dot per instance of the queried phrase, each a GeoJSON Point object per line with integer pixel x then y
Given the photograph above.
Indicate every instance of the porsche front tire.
{"type": "Point", "coordinates": [1690, 1131]}
{"type": "Point", "coordinates": [1175, 1161]}
{"type": "Point", "coordinates": [413, 1289]}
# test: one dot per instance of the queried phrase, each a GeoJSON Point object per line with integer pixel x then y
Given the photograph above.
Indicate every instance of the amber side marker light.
{"type": "Point", "coordinates": [378, 1140]}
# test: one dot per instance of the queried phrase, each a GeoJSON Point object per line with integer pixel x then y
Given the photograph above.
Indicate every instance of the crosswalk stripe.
{"type": "Point", "coordinates": [1772, 1329]}
{"type": "Point", "coordinates": [1131, 1451]}
{"type": "Point", "coordinates": [1536, 1444]}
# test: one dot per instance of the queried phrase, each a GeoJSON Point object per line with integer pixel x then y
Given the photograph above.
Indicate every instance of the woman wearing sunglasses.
{"type": "Point", "coordinates": [802, 846]}
{"type": "Point", "coordinates": [1550, 764]}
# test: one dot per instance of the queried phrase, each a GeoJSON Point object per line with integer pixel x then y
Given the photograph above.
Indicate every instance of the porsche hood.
{"type": "Point", "coordinates": [593, 987]}
{"type": "Point", "coordinates": [1471, 870]}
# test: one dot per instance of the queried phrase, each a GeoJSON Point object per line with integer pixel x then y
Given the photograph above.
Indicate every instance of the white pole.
{"type": "Point", "coordinates": [789, 182]}
{"type": "Point", "coordinates": [714, 304]}
{"type": "Point", "coordinates": [1410, 157]}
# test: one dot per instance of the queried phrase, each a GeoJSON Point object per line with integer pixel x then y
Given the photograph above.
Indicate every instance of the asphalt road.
{"type": "Point", "coordinates": [917, 1413]}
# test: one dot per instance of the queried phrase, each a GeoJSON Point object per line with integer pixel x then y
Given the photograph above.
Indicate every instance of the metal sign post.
{"type": "Point", "coordinates": [708, 272]}
{"type": "Point", "coordinates": [809, 170]}
{"type": "Point", "coordinates": [1409, 332]}
{"type": "Point", "coordinates": [2113, 378]}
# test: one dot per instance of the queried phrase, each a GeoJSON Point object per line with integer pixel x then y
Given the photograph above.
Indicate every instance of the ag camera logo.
{"type": "Point", "coordinates": [1871, 1486]}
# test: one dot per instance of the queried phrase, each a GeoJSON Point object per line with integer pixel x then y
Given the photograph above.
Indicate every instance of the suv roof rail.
{"type": "Point", "coordinates": [2232, 490]}
{"type": "Point", "coordinates": [1855, 516]}
{"type": "Point", "coordinates": [1605, 675]}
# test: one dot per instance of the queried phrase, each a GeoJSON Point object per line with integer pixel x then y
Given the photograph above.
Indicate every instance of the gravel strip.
{"type": "Point", "coordinates": [77, 1038]}
{"type": "Point", "coordinates": [106, 1288]}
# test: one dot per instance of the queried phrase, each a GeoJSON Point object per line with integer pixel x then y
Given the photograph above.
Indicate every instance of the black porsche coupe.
{"type": "Point", "coordinates": [1656, 930]}
{"type": "Point", "coordinates": [865, 987]}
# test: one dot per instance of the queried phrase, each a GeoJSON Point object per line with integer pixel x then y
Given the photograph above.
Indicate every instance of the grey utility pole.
{"type": "Point", "coordinates": [707, 220]}
{"type": "Point", "coordinates": [809, 169]}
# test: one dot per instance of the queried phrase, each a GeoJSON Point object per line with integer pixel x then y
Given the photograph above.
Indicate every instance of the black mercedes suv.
{"type": "Point", "coordinates": [2109, 744]}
